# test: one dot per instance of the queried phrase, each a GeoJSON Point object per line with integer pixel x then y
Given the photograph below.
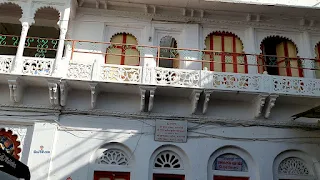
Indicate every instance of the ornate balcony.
{"type": "Point", "coordinates": [85, 61]}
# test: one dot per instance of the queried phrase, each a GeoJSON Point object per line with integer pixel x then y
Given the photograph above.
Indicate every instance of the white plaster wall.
{"type": "Point", "coordinates": [73, 149]}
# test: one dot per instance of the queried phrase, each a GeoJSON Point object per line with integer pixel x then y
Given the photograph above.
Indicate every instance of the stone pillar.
{"type": "Point", "coordinates": [250, 48]}
{"type": "Point", "coordinates": [18, 60]}
{"type": "Point", "coordinates": [306, 51]}
{"type": "Point", "coordinates": [63, 32]}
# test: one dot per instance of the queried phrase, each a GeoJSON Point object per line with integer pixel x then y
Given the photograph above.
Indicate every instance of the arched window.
{"type": "Point", "coordinates": [169, 57]}
{"type": "Point", "coordinates": [317, 62]}
{"type": "Point", "coordinates": [111, 162]}
{"type": "Point", "coordinates": [123, 50]}
{"type": "Point", "coordinates": [166, 163]}
{"type": "Point", "coordinates": [9, 143]}
{"type": "Point", "coordinates": [293, 165]}
{"type": "Point", "coordinates": [168, 159]}
{"type": "Point", "coordinates": [280, 57]}
{"type": "Point", "coordinates": [224, 51]}
{"type": "Point", "coordinates": [113, 157]}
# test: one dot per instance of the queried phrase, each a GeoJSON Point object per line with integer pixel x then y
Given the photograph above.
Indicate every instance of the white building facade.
{"type": "Point", "coordinates": [92, 89]}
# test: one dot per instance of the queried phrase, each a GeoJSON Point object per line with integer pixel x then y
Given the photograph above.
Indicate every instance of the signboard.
{"type": "Point", "coordinates": [228, 164]}
{"type": "Point", "coordinates": [12, 166]}
{"type": "Point", "coordinates": [171, 131]}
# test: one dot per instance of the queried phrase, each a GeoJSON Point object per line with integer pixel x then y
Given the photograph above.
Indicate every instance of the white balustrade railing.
{"type": "Point", "coordinates": [120, 73]}
{"type": "Point", "coordinates": [174, 77]}
{"type": "Point", "coordinates": [295, 86]}
{"type": "Point", "coordinates": [168, 77]}
{"type": "Point", "coordinates": [79, 71]}
{"type": "Point", "coordinates": [37, 66]}
{"type": "Point", "coordinates": [233, 81]}
{"type": "Point", "coordinates": [6, 63]}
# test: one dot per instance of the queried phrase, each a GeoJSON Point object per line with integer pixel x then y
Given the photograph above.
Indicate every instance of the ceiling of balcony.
{"type": "Point", "coordinates": [219, 6]}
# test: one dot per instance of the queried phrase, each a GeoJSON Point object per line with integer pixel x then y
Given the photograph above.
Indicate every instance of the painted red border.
{"type": "Point", "coordinates": [181, 177]}
{"type": "Point", "coordinates": [229, 178]}
{"type": "Point", "coordinates": [13, 137]}
{"type": "Point", "coordinates": [111, 175]}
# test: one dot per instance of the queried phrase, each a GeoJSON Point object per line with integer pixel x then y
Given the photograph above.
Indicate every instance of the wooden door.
{"type": "Point", "coordinates": [167, 177]}
{"type": "Point", "coordinates": [102, 175]}
{"type": "Point", "coordinates": [229, 178]}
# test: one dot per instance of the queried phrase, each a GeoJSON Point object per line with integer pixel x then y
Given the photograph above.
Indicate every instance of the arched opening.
{"type": "Point", "coordinates": [43, 35]}
{"type": "Point", "coordinates": [317, 62]}
{"type": "Point", "coordinates": [123, 50]}
{"type": "Point", "coordinates": [231, 163]}
{"type": "Point", "coordinates": [224, 53]}
{"type": "Point", "coordinates": [10, 28]}
{"type": "Point", "coordinates": [169, 162]}
{"type": "Point", "coordinates": [111, 162]}
{"type": "Point", "coordinates": [293, 165]}
{"type": "Point", "coordinates": [169, 56]}
{"type": "Point", "coordinates": [9, 143]}
{"type": "Point", "coordinates": [280, 57]}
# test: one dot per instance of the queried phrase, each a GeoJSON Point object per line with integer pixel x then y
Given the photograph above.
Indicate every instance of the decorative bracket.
{"type": "Point", "coordinates": [53, 92]}
{"type": "Point", "coordinates": [143, 98]}
{"type": "Point", "coordinates": [271, 100]}
{"type": "Point", "coordinates": [194, 97]}
{"type": "Point", "coordinates": [207, 94]}
{"type": "Point", "coordinates": [94, 87]}
{"type": "Point", "coordinates": [151, 97]}
{"type": "Point", "coordinates": [143, 91]}
{"type": "Point", "coordinates": [259, 104]}
{"type": "Point", "coordinates": [16, 87]}
{"type": "Point", "coordinates": [64, 89]}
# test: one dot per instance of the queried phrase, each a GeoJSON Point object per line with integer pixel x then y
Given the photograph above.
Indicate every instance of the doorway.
{"type": "Point", "coordinates": [229, 178]}
{"type": "Point", "coordinates": [103, 175]}
{"type": "Point", "coordinates": [167, 177]}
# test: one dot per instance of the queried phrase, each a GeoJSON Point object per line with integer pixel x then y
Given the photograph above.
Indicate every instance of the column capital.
{"type": "Point", "coordinates": [26, 21]}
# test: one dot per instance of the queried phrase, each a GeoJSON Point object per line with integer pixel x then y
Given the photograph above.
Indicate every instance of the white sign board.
{"type": "Point", "coordinates": [171, 131]}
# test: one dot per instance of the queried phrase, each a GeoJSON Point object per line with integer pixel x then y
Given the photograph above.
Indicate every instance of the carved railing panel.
{"type": "Point", "coordinates": [79, 71]}
{"type": "Point", "coordinates": [237, 81]}
{"type": "Point", "coordinates": [6, 64]}
{"type": "Point", "coordinates": [121, 73]}
{"type": "Point", "coordinates": [37, 66]}
{"type": "Point", "coordinates": [176, 77]}
{"type": "Point", "coordinates": [295, 86]}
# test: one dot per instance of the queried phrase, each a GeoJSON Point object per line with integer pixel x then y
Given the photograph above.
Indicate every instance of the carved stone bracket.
{"type": "Point", "coordinates": [16, 87]}
{"type": "Point", "coordinates": [270, 103]}
{"type": "Point", "coordinates": [143, 92]}
{"type": "Point", "coordinates": [259, 103]}
{"type": "Point", "coordinates": [64, 89]}
{"type": "Point", "coordinates": [53, 86]}
{"type": "Point", "coordinates": [207, 94]}
{"type": "Point", "coordinates": [94, 87]}
{"type": "Point", "coordinates": [194, 97]}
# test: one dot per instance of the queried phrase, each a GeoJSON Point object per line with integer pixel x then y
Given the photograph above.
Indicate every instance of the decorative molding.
{"type": "Point", "coordinates": [149, 16]}
{"type": "Point", "coordinates": [259, 102]}
{"type": "Point", "coordinates": [271, 100]}
{"type": "Point", "coordinates": [194, 97]}
{"type": "Point", "coordinates": [16, 87]}
{"type": "Point", "coordinates": [64, 89]}
{"type": "Point", "coordinates": [94, 87]}
{"type": "Point", "coordinates": [53, 92]}
{"type": "Point", "coordinates": [207, 94]}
